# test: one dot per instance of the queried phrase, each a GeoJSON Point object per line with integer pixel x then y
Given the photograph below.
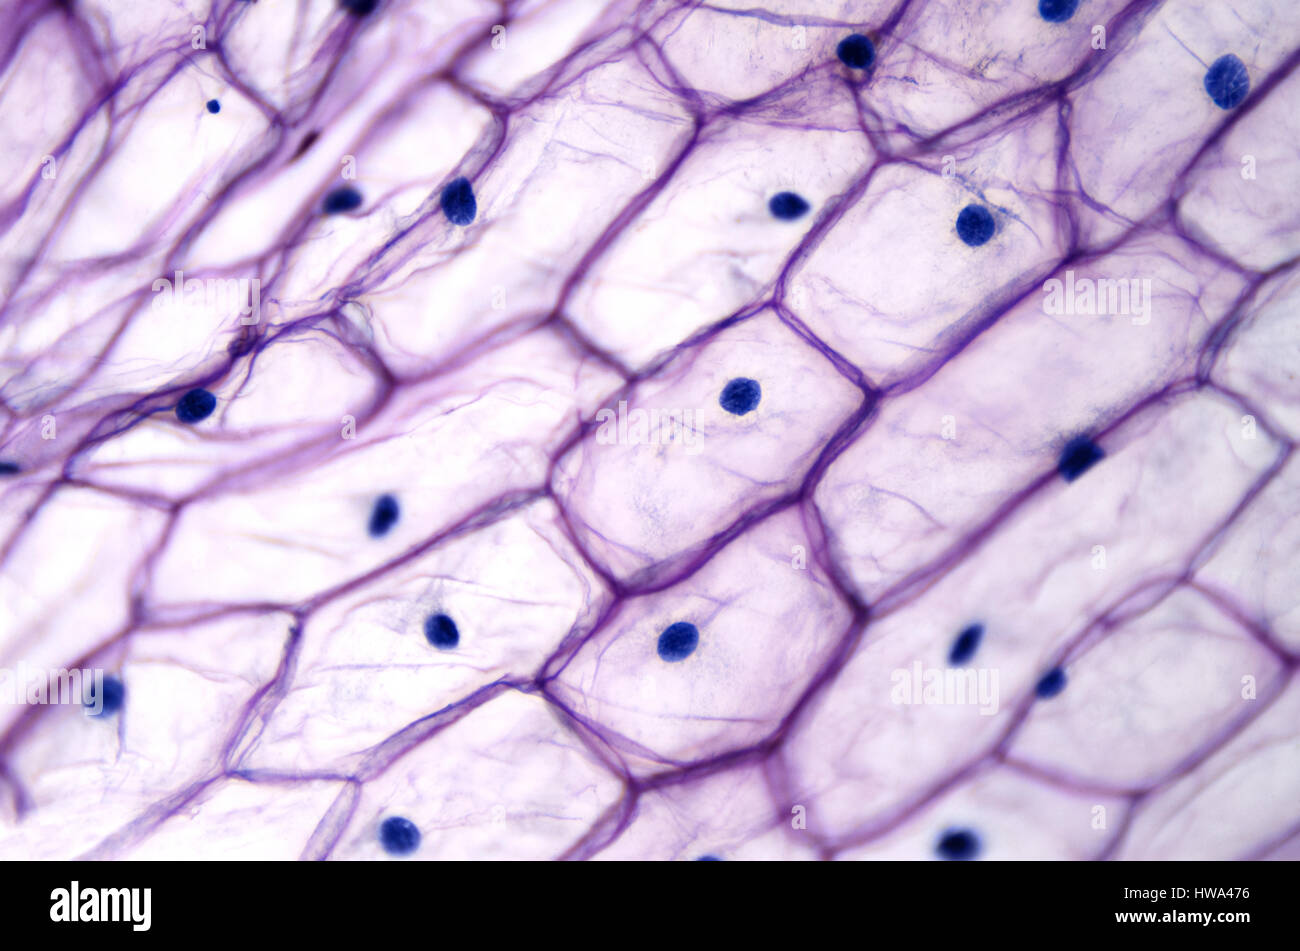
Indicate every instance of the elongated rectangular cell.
{"type": "Point", "coordinates": [650, 430]}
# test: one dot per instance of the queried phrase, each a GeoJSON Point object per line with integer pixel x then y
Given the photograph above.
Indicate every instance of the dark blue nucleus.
{"type": "Point", "coordinates": [109, 700]}
{"type": "Point", "coordinates": [458, 202]}
{"type": "Point", "coordinates": [195, 406]}
{"type": "Point", "coordinates": [740, 396]}
{"type": "Point", "coordinates": [966, 644]}
{"type": "Point", "coordinates": [1227, 82]}
{"type": "Point", "coordinates": [8, 468]}
{"type": "Point", "coordinates": [856, 51]}
{"type": "Point", "coordinates": [678, 641]}
{"type": "Point", "coordinates": [359, 8]}
{"type": "Point", "coordinates": [787, 206]}
{"type": "Point", "coordinates": [441, 631]}
{"type": "Point", "coordinates": [1050, 684]}
{"type": "Point", "coordinates": [399, 836]}
{"type": "Point", "coordinates": [213, 106]}
{"type": "Point", "coordinates": [1079, 455]}
{"type": "Point", "coordinates": [383, 516]}
{"type": "Point", "coordinates": [343, 198]}
{"type": "Point", "coordinates": [975, 225]}
{"type": "Point", "coordinates": [708, 858]}
{"type": "Point", "coordinates": [1057, 11]}
{"type": "Point", "coordinates": [958, 845]}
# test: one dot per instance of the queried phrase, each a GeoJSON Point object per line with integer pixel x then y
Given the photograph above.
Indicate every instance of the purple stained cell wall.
{"type": "Point", "coordinates": [650, 430]}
